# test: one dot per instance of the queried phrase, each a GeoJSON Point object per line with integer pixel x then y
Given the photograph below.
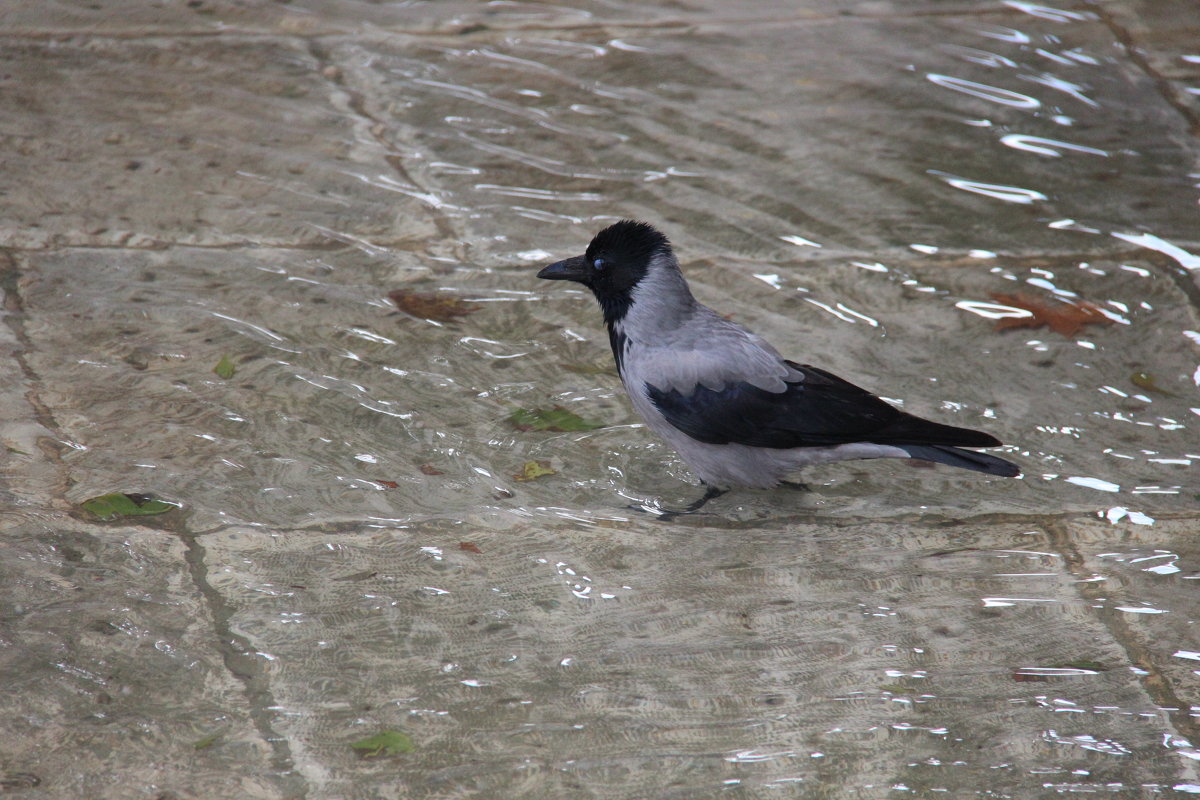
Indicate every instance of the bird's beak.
{"type": "Point", "coordinates": [570, 269]}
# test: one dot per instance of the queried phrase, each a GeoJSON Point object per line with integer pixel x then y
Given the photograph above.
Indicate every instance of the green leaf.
{"type": "Point", "coordinates": [553, 419]}
{"type": "Point", "coordinates": [384, 743]}
{"type": "Point", "coordinates": [1144, 380]}
{"type": "Point", "coordinates": [534, 470]}
{"type": "Point", "coordinates": [207, 741]}
{"type": "Point", "coordinates": [118, 504]}
{"type": "Point", "coordinates": [225, 368]}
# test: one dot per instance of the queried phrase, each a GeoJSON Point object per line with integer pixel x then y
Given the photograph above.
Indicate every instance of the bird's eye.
{"type": "Point", "coordinates": [598, 263]}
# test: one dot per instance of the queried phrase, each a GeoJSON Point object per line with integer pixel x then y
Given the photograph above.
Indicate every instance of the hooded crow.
{"type": "Point", "coordinates": [738, 412]}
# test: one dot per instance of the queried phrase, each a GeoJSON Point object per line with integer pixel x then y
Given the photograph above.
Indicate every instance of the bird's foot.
{"type": "Point", "coordinates": [710, 492]}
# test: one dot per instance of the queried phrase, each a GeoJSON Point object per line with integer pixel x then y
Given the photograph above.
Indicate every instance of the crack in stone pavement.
{"type": "Point", "coordinates": [236, 653]}
{"type": "Point", "coordinates": [243, 663]}
{"type": "Point", "coordinates": [1134, 54]}
{"type": "Point", "coordinates": [52, 446]}
{"type": "Point", "coordinates": [356, 103]}
{"type": "Point", "coordinates": [481, 30]}
{"type": "Point", "coordinates": [1156, 685]}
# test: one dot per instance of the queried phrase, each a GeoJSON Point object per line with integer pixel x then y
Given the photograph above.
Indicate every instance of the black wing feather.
{"type": "Point", "coordinates": [820, 410]}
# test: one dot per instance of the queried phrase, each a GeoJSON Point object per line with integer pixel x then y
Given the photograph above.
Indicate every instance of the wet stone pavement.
{"type": "Point", "coordinates": [924, 197]}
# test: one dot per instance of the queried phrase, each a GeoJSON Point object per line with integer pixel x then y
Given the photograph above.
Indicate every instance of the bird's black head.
{"type": "Point", "coordinates": [616, 260]}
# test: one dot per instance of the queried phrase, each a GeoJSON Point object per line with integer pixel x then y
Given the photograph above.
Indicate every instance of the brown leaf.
{"type": "Point", "coordinates": [437, 306]}
{"type": "Point", "coordinates": [1066, 318]}
{"type": "Point", "coordinates": [386, 484]}
{"type": "Point", "coordinates": [1025, 677]}
{"type": "Point", "coordinates": [430, 469]}
{"type": "Point", "coordinates": [470, 547]}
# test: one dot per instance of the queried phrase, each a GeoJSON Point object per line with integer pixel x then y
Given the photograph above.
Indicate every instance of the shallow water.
{"type": "Point", "coordinates": [868, 185]}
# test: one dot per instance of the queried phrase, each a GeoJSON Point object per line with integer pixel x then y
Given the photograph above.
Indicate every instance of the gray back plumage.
{"type": "Point", "coordinates": [674, 342]}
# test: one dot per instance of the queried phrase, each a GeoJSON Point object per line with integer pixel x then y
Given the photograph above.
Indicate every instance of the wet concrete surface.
{"type": "Point", "coordinates": [858, 181]}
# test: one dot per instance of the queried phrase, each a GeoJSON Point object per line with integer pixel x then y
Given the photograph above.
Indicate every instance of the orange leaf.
{"type": "Point", "coordinates": [387, 484]}
{"type": "Point", "coordinates": [1067, 318]}
{"type": "Point", "coordinates": [470, 547]}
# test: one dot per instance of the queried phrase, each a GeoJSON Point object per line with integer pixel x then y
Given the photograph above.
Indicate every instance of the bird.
{"type": "Point", "coordinates": [737, 412]}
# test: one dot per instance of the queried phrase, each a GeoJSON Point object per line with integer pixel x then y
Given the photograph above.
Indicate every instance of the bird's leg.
{"type": "Point", "coordinates": [709, 493]}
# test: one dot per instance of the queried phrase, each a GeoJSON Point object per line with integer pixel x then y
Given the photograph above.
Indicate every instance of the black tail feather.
{"type": "Point", "coordinates": [908, 429]}
{"type": "Point", "coordinates": [966, 459]}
